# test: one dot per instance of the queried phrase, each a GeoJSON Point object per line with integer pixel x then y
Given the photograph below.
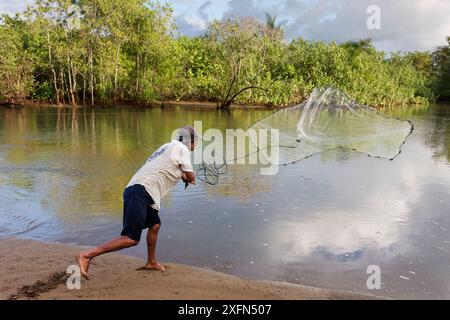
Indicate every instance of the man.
{"type": "Point", "coordinates": [142, 198]}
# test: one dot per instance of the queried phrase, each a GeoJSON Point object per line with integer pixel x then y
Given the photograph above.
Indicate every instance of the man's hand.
{"type": "Point", "coordinates": [188, 178]}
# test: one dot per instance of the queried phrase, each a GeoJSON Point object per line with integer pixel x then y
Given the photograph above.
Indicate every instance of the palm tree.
{"type": "Point", "coordinates": [271, 22]}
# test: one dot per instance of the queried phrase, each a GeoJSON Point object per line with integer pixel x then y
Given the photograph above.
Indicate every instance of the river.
{"type": "Point", "coordinates": [321, 222]}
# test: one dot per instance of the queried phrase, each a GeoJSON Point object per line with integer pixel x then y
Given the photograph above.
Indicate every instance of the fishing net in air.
{"type": "Point", "coordinates": [328, 120]}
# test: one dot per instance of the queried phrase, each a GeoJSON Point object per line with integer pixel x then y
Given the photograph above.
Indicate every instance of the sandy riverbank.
{"type": "Point", "coordinates": [36, 270]}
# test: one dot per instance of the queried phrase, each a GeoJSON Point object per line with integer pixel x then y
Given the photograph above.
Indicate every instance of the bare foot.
{"type": "Point", "coordinates": [84, 265]}
{"type": "Point", "coordinates": [153, 266]}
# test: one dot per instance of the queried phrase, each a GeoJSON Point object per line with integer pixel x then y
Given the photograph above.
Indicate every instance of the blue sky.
{"type": "Point", "coordinates": [405, 24]}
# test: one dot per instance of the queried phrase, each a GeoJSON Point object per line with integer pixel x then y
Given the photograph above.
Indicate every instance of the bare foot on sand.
{"type": "Point", "coordinates": [153, 266]}
{"type": "Point", "coordinates": [84, 265]}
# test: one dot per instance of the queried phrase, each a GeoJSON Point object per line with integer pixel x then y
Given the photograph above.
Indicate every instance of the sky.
{"type": "Point", "coordinates": [405, 25]}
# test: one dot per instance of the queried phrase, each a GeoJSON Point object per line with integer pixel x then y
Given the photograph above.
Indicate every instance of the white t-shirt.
{"type": "Point", "coordinates": [162, 170]}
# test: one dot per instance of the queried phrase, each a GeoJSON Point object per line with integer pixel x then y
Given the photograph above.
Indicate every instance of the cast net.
{"type": "Point", "coordinates": [328, 120]}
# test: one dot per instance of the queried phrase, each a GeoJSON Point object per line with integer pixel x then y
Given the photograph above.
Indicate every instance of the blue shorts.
{"type": "Point", "coordinates": [138, 213]}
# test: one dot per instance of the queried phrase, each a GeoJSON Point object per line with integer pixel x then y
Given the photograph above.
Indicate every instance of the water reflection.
{"type": "Point", "coordinates": [321, 222]}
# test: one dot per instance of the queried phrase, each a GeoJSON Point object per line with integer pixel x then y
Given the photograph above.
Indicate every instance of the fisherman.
{"type": "Point", "coordinates": [142, 198]}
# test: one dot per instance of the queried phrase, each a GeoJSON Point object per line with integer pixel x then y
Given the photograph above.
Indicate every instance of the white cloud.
{"type": "Point", "coordinates": [13, 6]}
{"type": "Point", "coordinates": [378, 218]}
{"type": "Point", "coordinates": [406, 24]}
{"type": "Point", "coordinates": [195, 22]}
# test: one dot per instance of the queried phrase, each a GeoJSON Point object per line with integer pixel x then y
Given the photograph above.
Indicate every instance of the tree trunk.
{"type": "Point", "coordinates": [227, 102]}
{"type": "Point", "coordinates": [63, 93]}
{"type": "Point", "coordinates": [84, 90]}
{"type": "Point", "coordinates": [116, 74]}
{"type": "Point", "coordinates": [71, 86]}
{"type": "Point", "coordinates": [91, 80]}
{"type": "Point", "coordinates": [55, 81]}
{"type": "Point", "coordinates": [74, 84]}
{"type": "Point", "coordinates": [66, 87]}
{"type": "Point", "coordinates": [137, 67]}
{"type": "Point", "coordinates": [137, 78]}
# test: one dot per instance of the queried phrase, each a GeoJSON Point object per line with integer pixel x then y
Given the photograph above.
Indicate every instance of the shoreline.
{"type": "Point", "coordinates": [187, 104]}
{"type": "Point", "coordinates": [37, 270]}
{"type": "Point", "coordinates": [156, 104]}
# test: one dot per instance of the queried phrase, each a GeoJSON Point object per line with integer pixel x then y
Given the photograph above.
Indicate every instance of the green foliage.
{"type": "Point", "coordinates": [441, 65]}
{"type": "Point", "coordinates": [126, 51]}
{"type": "Point", "coordinates": [16, 60]}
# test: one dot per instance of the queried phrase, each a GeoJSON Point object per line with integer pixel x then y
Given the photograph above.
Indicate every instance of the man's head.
{"type": "Point", "coordinates": [188, 136]}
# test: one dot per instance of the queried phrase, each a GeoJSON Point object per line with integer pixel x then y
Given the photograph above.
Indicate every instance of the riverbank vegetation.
{"type": "Point", "coordinates": [104, 52]}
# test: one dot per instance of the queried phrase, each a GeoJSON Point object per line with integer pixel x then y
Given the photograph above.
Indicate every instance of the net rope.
{"type": "Point", "coordinates": [328, 120]}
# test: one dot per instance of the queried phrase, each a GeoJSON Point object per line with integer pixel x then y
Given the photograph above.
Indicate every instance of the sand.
{"type": "Point", "coordinates": [37, 270]}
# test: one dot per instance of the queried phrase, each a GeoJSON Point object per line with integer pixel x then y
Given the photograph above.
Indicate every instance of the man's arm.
{"type": "Point", "coordinates": [188, 178]}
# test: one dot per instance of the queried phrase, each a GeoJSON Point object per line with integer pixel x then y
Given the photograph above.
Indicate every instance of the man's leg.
{"type": "Point", "coordinates": [84, 258]}
{"type": "Point", "coordinates": [152, 238]}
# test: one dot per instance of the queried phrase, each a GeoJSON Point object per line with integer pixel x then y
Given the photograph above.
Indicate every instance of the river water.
{"type": "Point", "coordinates": [321, 222]}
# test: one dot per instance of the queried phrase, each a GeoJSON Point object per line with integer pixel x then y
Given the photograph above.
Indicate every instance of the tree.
{"type": "Point", "coordinates": [362, 45]}
{"type": "Point", "coordinates": [126, 51]}
{"type": "Point", "coordinates": [17, 63]}
{"type": "Point", "coordinates": [241, 46]}
{"type": "Point", "coordinates": [271, 22]}
{"type": "Point", "coordinates": [441, 65]}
